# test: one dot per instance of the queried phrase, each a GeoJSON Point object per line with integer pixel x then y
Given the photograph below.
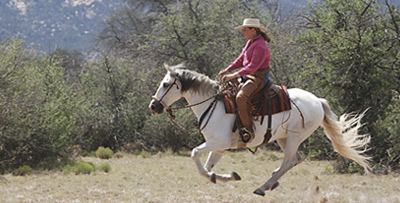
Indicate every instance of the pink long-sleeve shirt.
{"type": "Point", "coordinates": [255, 55]}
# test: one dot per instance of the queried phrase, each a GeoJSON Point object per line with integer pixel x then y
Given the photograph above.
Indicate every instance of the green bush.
{"type": "Point", "coordinates": [104, 153]}
{"type": "Point", "coordinates": [118, 155]}
{"type": "Point", "coordinates": [23, 170]}
{"type": "Point", "coordinates": [105, 167]}
{"type": "Point", "coordinates": [145, 154]}
{"type": "Point", "coordinates": [272, 156]}
{"type": "Point", "coordinates": [67, 169]}
{"type": "Point", "coordinates": [88, 154]}
{"type": "Point", "coordinates": [37, 105]}
{"type": "Point", "coordinates": [83, 168]}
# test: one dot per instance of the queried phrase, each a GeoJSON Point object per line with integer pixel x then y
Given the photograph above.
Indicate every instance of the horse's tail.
{"type": "Point", "coordinates": [344, 135]}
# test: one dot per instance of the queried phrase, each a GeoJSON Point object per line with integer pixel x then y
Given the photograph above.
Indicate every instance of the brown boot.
{"type": "Point", "coordinates": [246, 134]}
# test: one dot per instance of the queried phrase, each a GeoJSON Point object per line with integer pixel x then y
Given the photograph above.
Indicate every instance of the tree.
{"type": "Point", "coordinates": [38, 110]}
{"type": "Point", "coordinates": [352, 50]}
{"type": "Point", "coordinates": [72, 61]}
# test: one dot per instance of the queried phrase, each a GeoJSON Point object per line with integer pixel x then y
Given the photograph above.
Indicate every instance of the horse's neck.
{"type": "Point", "coordinates": [196, 99]}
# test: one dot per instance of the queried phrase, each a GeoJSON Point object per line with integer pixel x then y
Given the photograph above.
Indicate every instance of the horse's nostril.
{"type": "Point", "coordinates": [151, 107]}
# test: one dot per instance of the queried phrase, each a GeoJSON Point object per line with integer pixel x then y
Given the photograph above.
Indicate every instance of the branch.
{"type": "Point", "coordinates": [366, 8]}
{"type": "Point", "coordinates": [393, 19]}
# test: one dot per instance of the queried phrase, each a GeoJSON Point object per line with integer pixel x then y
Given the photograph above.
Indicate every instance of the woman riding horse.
{"type": "Point", "coordinates": [254, 59]}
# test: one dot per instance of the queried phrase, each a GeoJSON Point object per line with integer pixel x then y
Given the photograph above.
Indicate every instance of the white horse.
{"type": "Point", "coordinates": [289, 128]}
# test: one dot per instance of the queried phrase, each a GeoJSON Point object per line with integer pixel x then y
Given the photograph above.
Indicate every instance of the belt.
{"type": "Point", "coordinates": [261, 71]}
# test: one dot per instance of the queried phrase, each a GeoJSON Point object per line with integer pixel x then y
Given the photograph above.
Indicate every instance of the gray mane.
{"type": "Point", "coordinates": [196, 82]}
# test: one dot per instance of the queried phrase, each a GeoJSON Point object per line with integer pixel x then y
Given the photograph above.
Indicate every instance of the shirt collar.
{"type": "Point", "coordinates": [256, 38]}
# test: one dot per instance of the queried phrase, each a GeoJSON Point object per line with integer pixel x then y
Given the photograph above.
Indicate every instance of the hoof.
{"type": "Point", "coordinates": [259, 192]}
{"type": "Point", "coordinates": [213, 178]}
{"type": "Point", "coordinates": [275, 186]}
{"type": "Point", "coordinates": [236, 176]}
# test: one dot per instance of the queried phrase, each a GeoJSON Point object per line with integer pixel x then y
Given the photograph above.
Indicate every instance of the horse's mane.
{"type": "Point", "coordinates": [196, 82]}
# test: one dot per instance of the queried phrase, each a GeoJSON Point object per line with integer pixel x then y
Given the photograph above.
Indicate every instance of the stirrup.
{"type": "Point", "coordinates": [246, 134]}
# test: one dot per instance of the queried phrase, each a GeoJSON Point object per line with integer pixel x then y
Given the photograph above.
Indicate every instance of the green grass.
{"type": "Point", "coordinates": [169, 178]}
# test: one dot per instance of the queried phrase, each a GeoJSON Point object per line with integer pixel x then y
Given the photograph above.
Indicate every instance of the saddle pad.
{"type": "Point", "coordinates": [279, 101]}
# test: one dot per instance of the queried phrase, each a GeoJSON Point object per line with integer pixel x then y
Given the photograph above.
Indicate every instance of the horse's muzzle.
{"type": "Point", "coordinates": [156, 107]}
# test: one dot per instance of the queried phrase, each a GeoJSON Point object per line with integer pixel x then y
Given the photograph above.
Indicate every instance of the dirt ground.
{"type": "Point", "coordinates": [169, 178]}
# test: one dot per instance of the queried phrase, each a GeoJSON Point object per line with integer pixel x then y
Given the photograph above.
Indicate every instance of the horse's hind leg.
{"type": "Point", "coordinates": [290, 159]}
{"type": "Point", "coordinates": [282, 144]}
{"type": "Point", "coordinates": [213, 158]}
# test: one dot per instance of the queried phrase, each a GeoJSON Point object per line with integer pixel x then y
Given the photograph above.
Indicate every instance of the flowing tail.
{"type": "Point", "coordinates": [344, 135]}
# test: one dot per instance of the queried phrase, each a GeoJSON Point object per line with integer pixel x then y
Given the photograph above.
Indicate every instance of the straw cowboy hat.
{"type": "Point", "coordinates": [251, 22]}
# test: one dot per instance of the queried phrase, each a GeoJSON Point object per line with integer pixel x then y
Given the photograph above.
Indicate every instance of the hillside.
{"type": "Point", "coordinates": [70, 24]}
{"type": "Point", "coordinates": [49, 24]}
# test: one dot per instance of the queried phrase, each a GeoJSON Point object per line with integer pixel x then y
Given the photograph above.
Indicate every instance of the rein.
{"type": "Point", "coordinates": [213, 104]}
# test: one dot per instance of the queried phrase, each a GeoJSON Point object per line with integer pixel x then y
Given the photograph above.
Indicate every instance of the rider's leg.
{"type": "Point", "coordinates": [252, 85]}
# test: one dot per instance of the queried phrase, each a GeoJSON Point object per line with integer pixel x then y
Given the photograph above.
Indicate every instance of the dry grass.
{"type": "Point", "coordinates": [168, 178]}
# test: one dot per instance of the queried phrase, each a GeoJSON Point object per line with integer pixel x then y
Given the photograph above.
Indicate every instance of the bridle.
{"type": "Point", "coordinates": [169, 110]}
{"type": "Point", "coordinates": [172, 116]}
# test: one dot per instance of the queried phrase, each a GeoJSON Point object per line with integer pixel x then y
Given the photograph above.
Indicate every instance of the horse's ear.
{"type": "Point", "coordinates": [171, 71]}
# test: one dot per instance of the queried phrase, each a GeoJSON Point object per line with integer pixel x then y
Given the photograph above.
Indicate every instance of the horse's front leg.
{"type": "Point", "coordinates": [216, 151]}
{"type": "Point", "coordinates": [196, 152]}
{"type": "Point", "coordinates": [212, 160]}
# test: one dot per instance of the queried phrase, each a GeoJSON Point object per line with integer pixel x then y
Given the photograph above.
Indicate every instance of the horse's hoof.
{"type": "Point", "coordinates": [275, 185]}
{"type": "Point", "coordinates": [236, 176]}
{"type": "Point", "coordinates": [259, 192]}
{"type": "Point", "coordinates": [213, 178]}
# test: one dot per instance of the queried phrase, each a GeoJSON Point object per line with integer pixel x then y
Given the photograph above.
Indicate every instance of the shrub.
{"type": "Point", "coordinates": [145, 154]}
{"type": "Point", "coordinates": [104, 153]}
{"type": "Point", "coordinates": [67, 169]}
{"type": "Point", "coordinates": [82, 168]}
{"type": "Point", "coordinates": [92, 164]}
{"type": "Point", "coordinates": [105, 167]}
{"type": "Point", "coordinates": [272, 156]}
{"type": "Point", "coordinates": [88, 154]}
{"type": "Point", "coordinates": [47, 114]}
{"type": "Point", "coordinates": [118, 155]}
{"type": "Point", "coordinates": [23, 170]}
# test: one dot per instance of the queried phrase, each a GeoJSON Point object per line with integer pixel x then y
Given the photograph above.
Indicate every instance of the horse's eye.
{"type": "Point", "coordinates": [165, 84]}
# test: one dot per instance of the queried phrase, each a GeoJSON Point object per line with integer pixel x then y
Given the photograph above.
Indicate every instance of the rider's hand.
{"type": "Point", "coordinates": [230, 76]}
{"type": "Point", "coordinates": [222, 73]}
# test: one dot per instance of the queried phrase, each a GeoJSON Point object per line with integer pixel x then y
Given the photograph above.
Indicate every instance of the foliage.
{"type": "Point", "coordinates": [83, 168]}
{"type": "Point", "coordinates": [23, 170]}
{"type": "Point", "coordinates": [115, 104]}
{"type": "Point", "coordinates": [106, 167]}
{"type": "Point", "coordinates": [118, 155]}
{"type": "Point", "coordinates": [388, 125]}
{"type": "Point", "coordinates": [163, 134]}
{"type": "Point", "coordinates": [67, 169]}
{"type": "Point", "coordinates": [197, 32]}
{"type": "Point", "coordinates": [352, 57]}
{"type": "Point", "coordinates": [145, 154]}
{"type": "Point", "coordinates": [104, 153]}
{"type": "Point", "coordinates": [80, 167]}
{"type": "Point", "coordinates": [71, 61]}
{"type": "Point", "coordinates": [37, 108]}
